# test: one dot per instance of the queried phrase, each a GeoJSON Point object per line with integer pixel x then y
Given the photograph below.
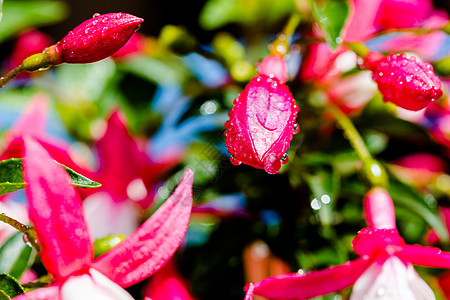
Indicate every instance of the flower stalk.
{"type": "Point", "coordinates": [373, 170]}
{"type": "Point", "coordinates": [280, 46]}
{"type": "Point", "coordinates": [29, 232]}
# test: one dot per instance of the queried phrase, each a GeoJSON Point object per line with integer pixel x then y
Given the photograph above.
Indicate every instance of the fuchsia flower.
{"type": "Point", "coordinates": [383, 271]}
{"type": "Point", "coordinates": [404, 81]}
{"type": "Point", "coordinates": [168, 284]}
{"type": "Point", "coordinates": [128, 177]}
{"type": "Point", "coordinates": [262, 121]}
{"type": "Point", "coordinates": [67, 250]}
{"type": "Point", "coordinates": [28, 43]}
{"type": "Point", "coordinates": [32, 122]}
{"type": "Point", "coordinates": [97, 38]}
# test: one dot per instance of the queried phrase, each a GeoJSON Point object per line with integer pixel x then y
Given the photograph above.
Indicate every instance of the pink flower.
{"type": "Point", "coordinates": [128, 177]}
{"type": "Point", "coordinates": [97, 38]}
{"type": "Point", "coordinates": [67, 250]}
{"type": "Point", "coordinates": [384, 269]}
{"type": "Point", "coordinates": [262, 121]}
{"type": "Point", "coordinates": [28, 43]}
{"type": "Point", "coordinates": [32, 122]}
{"type": "Point", "coordinates": [404, 81]}
{"type": "Point", "coordinates": [168, 284]}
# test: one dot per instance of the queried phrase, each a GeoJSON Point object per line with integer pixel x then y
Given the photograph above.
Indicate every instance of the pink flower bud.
{"type": "Point", "coordinates": [274, 66]}
{"type": "Point", "coordinates": [261, 125]}
{"type": "Point", "coordinates": [97, 38]}
{"type": "Point", "coordinates": [404, 81]}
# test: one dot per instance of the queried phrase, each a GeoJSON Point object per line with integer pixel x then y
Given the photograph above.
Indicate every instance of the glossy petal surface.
{"type": "Point", "coordinates": [261, 124]}
{"type": "Point", "coordinates": [56, 212]}
{"type": "Point", "coordinates": [154, 242]}
{"type": "Point", "coordinates": [98, 37]}
{"type": "Point", "coordinates": [295, 286]}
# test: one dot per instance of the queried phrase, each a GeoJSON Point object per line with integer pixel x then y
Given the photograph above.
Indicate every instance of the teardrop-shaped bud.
{"type": "Point", "coordinates": [404, 81]}
{"type": "Point", "coordinates": [97, 38]}
{"type": "Point", "coordinates": [261, 124]}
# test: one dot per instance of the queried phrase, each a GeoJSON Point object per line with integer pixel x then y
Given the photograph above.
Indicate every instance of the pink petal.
{"type": "Point", "coordinates": [167, 284]}
{"type": "Point", "coordinates": [46, 293]}
{"type": "Point", "coordinates": [56, 212]}
{"type": "Point", "coordinates": [249, 293]}
{"type": "Point", "coordinates": [426, 256]}
{"type": "Point", "coordinates": [361, 21]}
{"type": "Point", "coordinates": [289, 286]}
{"type": "Point", "coordinates": [34, 117]}
{"type": "Point", "coordinates": [154, 242]}
{"type": "Point", "coordinates": [116, 142]}
{"type": "Point", "coordinates": [379, 209]}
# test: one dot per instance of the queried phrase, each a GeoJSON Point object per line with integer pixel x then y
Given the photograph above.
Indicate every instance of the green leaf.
{"type": "Point", "coordinates": [217, 13]}
{"type": "Point", "coordinates": [15, 256]}
{"type": "Point", "coordinates": [407, 197]}
{"type": "Point", "coordinates": [10, 286]}
{"type": "Point", "coordinates": [11, 177]}
{"type": "Point", "coordinates": [331, 16]}
{"type": "Point", "coordinates": [19, 15]}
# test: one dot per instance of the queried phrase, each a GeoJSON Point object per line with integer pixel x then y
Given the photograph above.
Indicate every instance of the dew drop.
{"type": "Point", "coordinates": [118, 15]}
{"type": "Point", "coordinates": [296, 128]}
{"type": "Point", "coordinates": [95, 22]}
{"type": "Point", "coordinates": [105, 30]}
{"type": "Point", "coordinates": [380, 292]}
{"type": "Point", "coordinates": [408, 78]}
{"type": "Point", "coordinates": [96, 15]}
{"type": "Point", "coordinates": [285, 158]}
{"type": "Point", "coordinates": [380, 74]}
{"type": "Point", "coordinates": [234, 161]}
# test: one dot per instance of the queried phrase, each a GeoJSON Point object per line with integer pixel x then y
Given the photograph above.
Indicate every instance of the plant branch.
{"type": "Point", "coordinates": [374, 171]}
{"type": "Point", "coordinates": [28, 231]}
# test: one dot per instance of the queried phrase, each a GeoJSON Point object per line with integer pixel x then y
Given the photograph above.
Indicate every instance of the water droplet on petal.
{"type": "Point", "coordinates": [296, 128]}
{"type": "Point", "coordinates": [285, 158]}
{"type": "Point", "coordinates": [234, 161]}
{"type": "Point", "coordinates": [96, 15]}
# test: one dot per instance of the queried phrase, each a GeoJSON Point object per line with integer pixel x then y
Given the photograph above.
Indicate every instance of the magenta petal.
{"type": "Point", "coordinates": [33, 119]}
{"type": "Point", "coordinates": [117, 173]}
{"type": "Point", "coordinates": [46, 293]}
{"type": "Point", "coordinates": [146, 250]}
{"type": "Point", "coordinates": [426, 256]}
{"type": "Point", "coordinates": [296, 286]}
{"type": "Point", "coordinates": [249, 293]}
{"type": "Point", "coordinates": [167, 284]}
{"type": "Point", "coordinates": [56, 212]}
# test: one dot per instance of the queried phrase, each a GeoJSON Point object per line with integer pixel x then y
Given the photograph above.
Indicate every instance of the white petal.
{"type": "Point", "coordinates": [391, 280]}
{"type": "Point", "coordinates": [106, 216]}
{"type": "Point", "coordinates": [92, 286]}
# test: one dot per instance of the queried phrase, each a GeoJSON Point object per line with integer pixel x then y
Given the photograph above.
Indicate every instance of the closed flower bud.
{"type": "Point", "coordinates": [262, 123]}
{"type": "Point", "coordinates": [404, 81]}
{"type": "Point", "coordinates": [97, 38]}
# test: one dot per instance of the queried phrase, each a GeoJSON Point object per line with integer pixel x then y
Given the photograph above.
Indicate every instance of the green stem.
{"type": "Point", "coordinates": [10, 76]}
{"type": "Point", "coordinates": [28, 231]}
{"type": "Point", "coordinates": [281, 43]}
{"type": "Point", "coordinates": [359, 48]}
{"type": "Point", "coordinates": [373, 170]}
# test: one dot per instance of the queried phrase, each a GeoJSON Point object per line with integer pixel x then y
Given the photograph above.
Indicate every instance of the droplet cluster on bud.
{"type": "Point", "coordinates": [262, 124]}
{"type": "Point", "coordinates": [98, 37]}
{"type": "Point", "coordinates": [405, 81]}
